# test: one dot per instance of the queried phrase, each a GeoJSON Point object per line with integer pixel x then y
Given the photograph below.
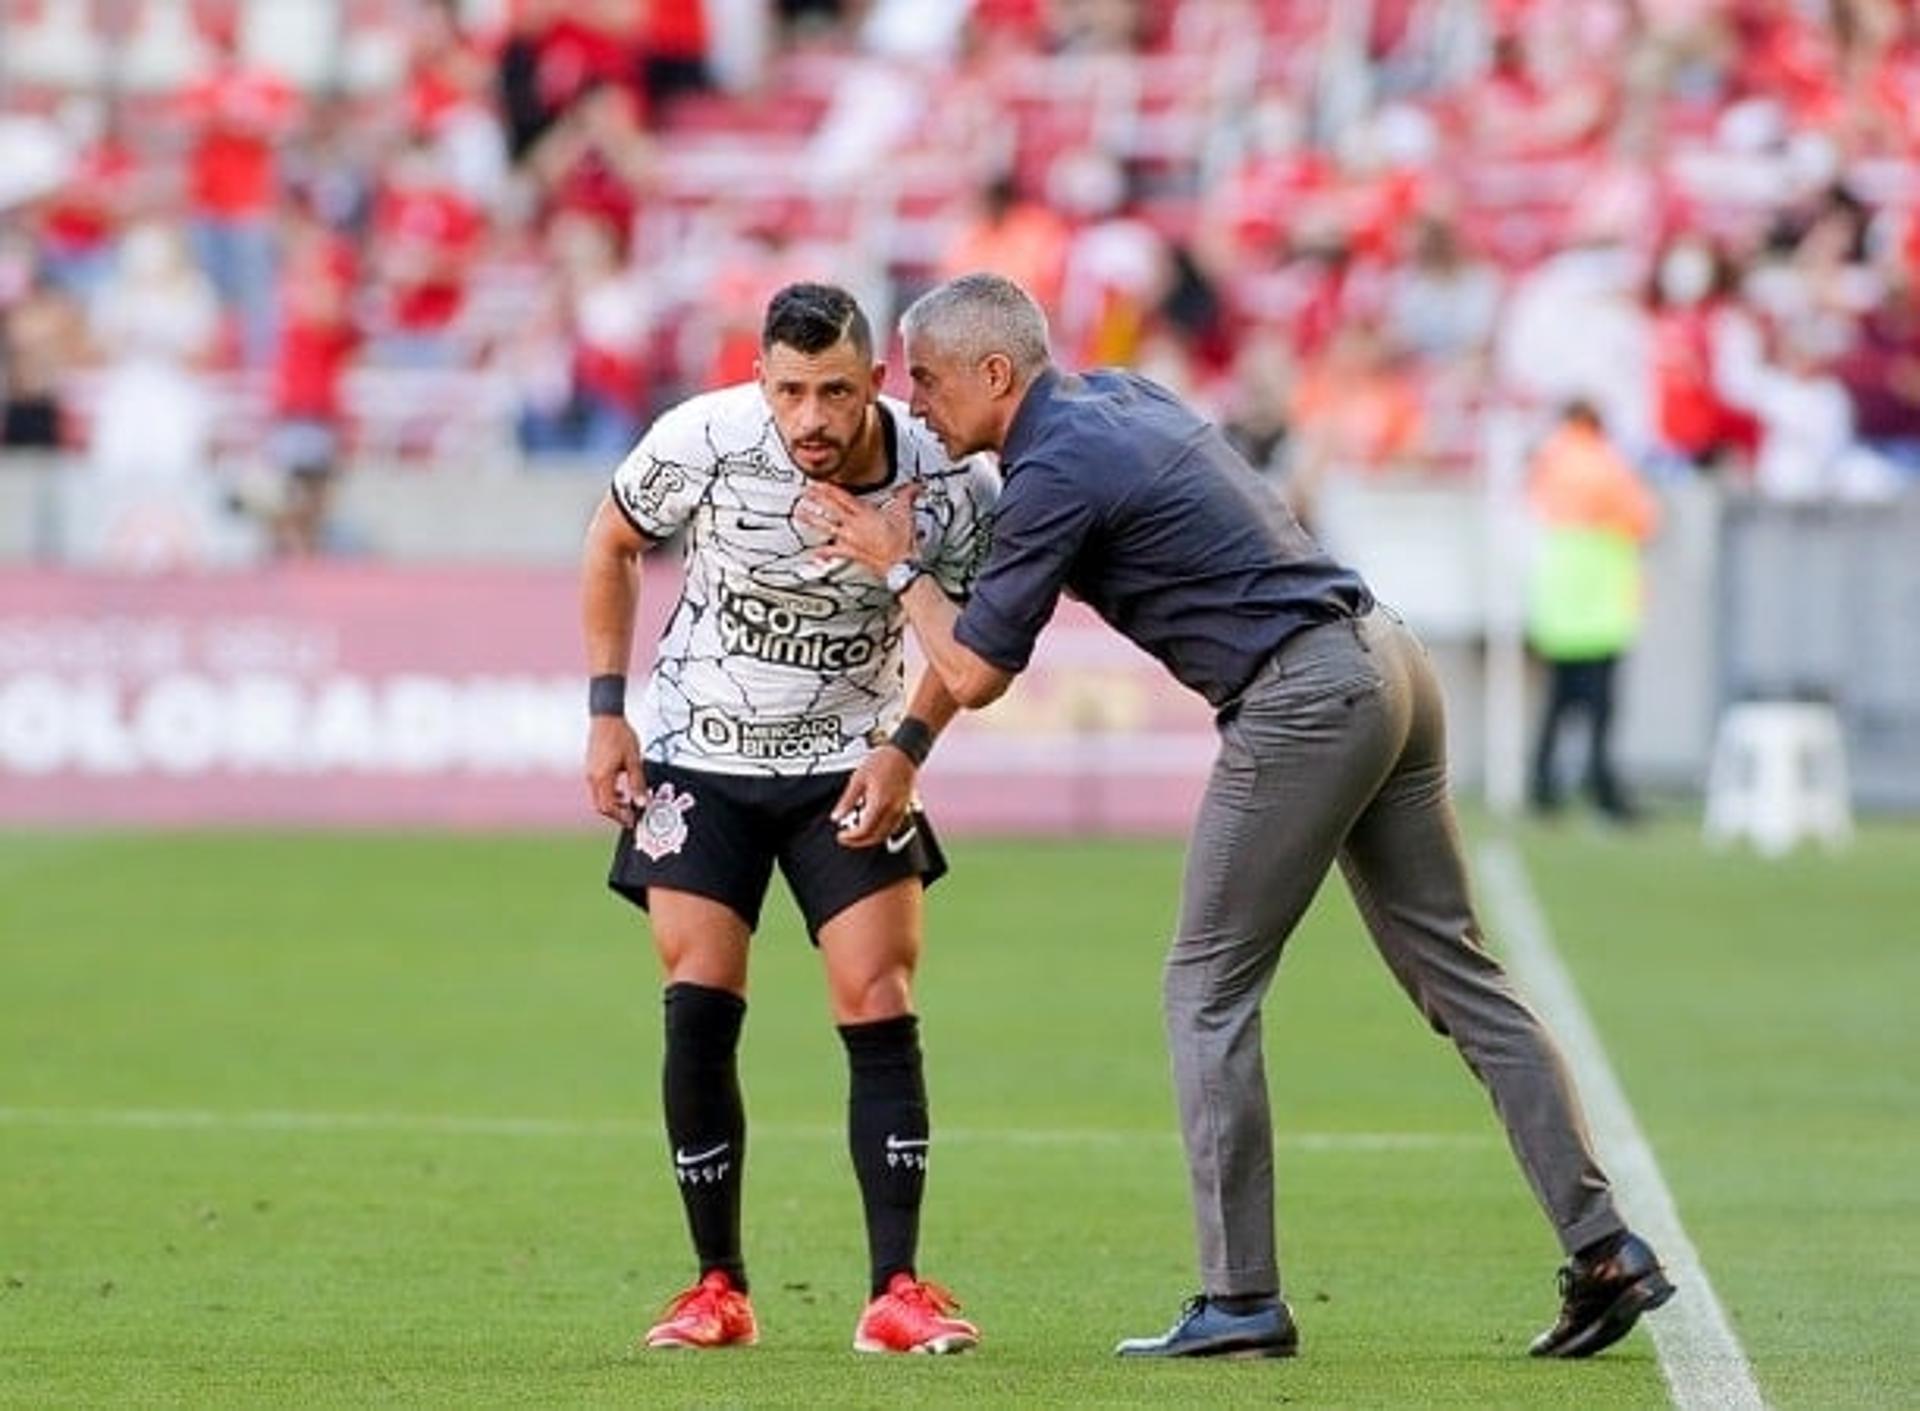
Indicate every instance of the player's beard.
{"type": "Point", "coordinates": [828, 469]}
{"type": "Point", "coordinates": [836, 466]}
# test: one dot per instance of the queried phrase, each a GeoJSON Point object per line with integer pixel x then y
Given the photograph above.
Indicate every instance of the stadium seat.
{"type": "Point", "coordinates": [430, 414]}
{"type": "Point", "coordinates": [165, 49]}
{"type": "Point", "coordinates": [55, 46]}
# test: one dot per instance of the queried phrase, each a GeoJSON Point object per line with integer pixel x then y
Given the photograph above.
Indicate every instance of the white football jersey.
{"type": "Point", "coordinates": [774, 662]}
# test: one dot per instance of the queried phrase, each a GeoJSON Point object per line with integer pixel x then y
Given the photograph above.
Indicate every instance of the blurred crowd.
{"type": "Point", "coordinates": [444, 228]}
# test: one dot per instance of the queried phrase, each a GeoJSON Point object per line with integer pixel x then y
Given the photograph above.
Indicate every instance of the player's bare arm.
{"type": "Point", "coordinates": [877, 798]}
{"type": "Point", "coordinates": [876, 539]}
{"type": "Point", "coordinates": [609, 605]}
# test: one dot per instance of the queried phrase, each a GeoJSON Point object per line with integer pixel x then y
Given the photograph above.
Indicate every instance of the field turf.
{"type": "Point", "coordinates": [357, 1120]}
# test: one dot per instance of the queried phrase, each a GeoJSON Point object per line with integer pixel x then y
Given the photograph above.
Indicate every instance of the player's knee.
{"type": "Point", "coordinates": [868, 998]}
{"type": "Point", "coordinates": [716, 967]}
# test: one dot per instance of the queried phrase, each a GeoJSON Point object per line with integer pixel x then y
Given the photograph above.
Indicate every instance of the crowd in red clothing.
{"type": "Point", "coordinates": [1694, 214]}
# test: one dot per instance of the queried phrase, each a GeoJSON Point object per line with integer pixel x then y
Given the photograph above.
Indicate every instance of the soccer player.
{"type": "Point", "coordinates": [776, 729]}
{"type": "Point", "coordinates": [1332, 747]}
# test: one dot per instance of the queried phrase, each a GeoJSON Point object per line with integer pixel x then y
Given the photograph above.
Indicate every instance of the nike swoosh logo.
{"type": "Point", "coordinates": [907, 1144]}
{"type": "Point", "coordinates": [903, 837]}
{"type": "Point", "coordinates": [680, 1158]}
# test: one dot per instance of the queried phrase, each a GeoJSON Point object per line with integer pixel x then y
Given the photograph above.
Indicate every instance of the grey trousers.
{"type": "Point", "coordinates": [1337, 751]}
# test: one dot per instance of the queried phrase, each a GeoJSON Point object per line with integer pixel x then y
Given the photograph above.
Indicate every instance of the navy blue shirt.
{"type": "Point", "coordinates": [1118, 493]}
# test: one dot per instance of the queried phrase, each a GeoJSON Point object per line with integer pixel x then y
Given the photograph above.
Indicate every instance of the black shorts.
{"type": "Point", "coordinates": [718, 836]}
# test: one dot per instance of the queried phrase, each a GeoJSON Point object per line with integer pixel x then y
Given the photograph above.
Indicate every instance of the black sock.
{"type": "Point", "coordinates": [706, 1122]}
{"type": "Point", "coordinates": [887, 1132]}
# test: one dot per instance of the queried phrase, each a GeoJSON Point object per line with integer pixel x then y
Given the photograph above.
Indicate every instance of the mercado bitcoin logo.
{"type": "Point", "coordinates": [803, 737]}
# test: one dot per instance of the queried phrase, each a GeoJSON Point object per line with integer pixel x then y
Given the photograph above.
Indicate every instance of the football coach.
{"type": "Point", "coordinates": [1332, 749]}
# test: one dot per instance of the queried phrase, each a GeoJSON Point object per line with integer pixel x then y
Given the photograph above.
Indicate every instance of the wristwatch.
{"type": "Point", "coordinates": [900, 576]}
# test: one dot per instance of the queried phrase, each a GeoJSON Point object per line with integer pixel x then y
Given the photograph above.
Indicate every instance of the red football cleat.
{"type": "Point", "coordinates": [713, 1313]}
{"type": "Point", "coordinates": [912, 1316]}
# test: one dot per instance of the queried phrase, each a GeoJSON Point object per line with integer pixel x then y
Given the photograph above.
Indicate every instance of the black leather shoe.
{"type": "Point", "coordinates": [1601, 1300]}
{"type": "Point", "coordinates": [1205, 1329]}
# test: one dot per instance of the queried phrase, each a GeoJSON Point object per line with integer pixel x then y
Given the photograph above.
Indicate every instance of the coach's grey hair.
{"type": "Point", "coordinates": [978, 314]}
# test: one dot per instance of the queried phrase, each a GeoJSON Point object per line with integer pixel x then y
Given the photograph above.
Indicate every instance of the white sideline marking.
{"type": "Point", "coordinates": [169, 1119]}
{"type": "Point", "coordinates": [1700, 1355]}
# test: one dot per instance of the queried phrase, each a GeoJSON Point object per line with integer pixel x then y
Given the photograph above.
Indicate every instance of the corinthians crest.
{"type": "Point", "coordinates": [662, 829]}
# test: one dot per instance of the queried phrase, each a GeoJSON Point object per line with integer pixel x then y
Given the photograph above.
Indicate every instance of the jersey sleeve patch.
{"type": "Point", "coordinates": [664, 477]}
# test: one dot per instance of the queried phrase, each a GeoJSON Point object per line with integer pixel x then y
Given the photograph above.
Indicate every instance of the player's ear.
{"type": "Point", "coordinates": [879, 380]}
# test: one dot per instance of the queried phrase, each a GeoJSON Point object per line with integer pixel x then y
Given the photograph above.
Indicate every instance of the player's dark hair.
{"type": "Point", "coordinates": [811, 318]}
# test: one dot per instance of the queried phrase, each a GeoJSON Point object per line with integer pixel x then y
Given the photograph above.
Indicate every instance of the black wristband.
{"type": "Point", "coordinates": [913, 737]}
{"type": "Point", "coordinates": [607, 695]}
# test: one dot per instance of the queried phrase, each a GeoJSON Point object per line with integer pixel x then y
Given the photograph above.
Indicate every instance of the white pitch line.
{"type": "Point", "coordinates": [1700, 1355]}
{"type": "Point", "coordinates": [170, 1119]}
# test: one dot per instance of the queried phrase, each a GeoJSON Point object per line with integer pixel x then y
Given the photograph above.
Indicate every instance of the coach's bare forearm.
{"type": "Point", "coordinates": [930, 701]}
{"type": "Point", "coordinates": [609, 590]}
{"type": "Point", "coordinates": [970, 679]}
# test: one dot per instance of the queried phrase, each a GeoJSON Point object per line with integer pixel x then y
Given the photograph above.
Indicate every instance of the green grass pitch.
{"type": "Point", "coordinates": [348, 1120]}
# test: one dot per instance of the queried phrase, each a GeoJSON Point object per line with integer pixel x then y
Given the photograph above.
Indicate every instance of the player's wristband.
{"type": "Point", "coordinates": [607, 695]}
{"type": "Point", "coordinates": [913, 737]}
